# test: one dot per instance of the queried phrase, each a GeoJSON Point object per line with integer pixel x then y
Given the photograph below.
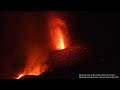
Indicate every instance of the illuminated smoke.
{"type": "Point", "coordinates": [59, 38]}
{"type": "Point", "coordinates": [33, 43]}
{"type": "Point", "coordinates": [59, 41]}
{"type": "Point", "coordinates": [35, 62]}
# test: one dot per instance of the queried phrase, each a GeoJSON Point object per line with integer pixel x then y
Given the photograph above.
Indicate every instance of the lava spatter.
{"type": "Point", "coordinates": [58, 30]}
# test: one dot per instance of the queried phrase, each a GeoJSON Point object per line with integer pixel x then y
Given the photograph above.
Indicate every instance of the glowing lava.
{"type": "Point", "coordinates": [58, 33]}
{"type": "Point", "coordinates": [59, 40]}
{"type": "Point", "coordinates": [35, 62]}
{"type": "Point", "coordinates": [60, 44]}
{"type": "Point", "coordinates": [21, 75]}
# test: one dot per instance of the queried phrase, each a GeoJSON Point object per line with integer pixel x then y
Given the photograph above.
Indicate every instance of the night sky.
{"type": "Point", "coordinates": [96, 30]}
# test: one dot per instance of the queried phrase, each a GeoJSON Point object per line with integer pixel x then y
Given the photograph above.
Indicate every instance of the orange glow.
{"type": "Point", "coordinates": [36, 62]}
{"type": "Point", "coordinates": [21, 75]}
{"type": "Point", "coordinates": [59, 39]}
{"type": "Point", "coordinates": [58, 33]}
{"type": "Point", "coordinates": [60, 44]}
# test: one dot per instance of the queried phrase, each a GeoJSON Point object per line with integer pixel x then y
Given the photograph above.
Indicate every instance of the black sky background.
{"type": "Point", "coordinates": [94, 29]}
{"type": "Point", "coordinates": [98, 30]}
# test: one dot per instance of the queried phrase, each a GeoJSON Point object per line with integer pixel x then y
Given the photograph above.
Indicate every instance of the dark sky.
{"type": "Point", "coordinates": [99, 31]}
{"type": "Point", "coordinates": [21, 29]}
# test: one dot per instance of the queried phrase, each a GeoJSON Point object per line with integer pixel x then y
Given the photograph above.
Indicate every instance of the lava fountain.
{"type": "Point", "coordinates": [58, 30]}
{"type": "Point", "coordinates": [60, 45]}
{"type": "Point", "coordinates": [63, 53]}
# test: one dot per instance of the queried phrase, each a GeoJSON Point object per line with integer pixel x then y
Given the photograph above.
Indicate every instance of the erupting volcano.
{"type": "Point", "coordinates": [60, 42]}
{"type": "Point", "coordinates": [36, 62]}
{"type": "Point", "coordinates": [63, 54]}
{"type": "Point", "coordinates": [58, 33]}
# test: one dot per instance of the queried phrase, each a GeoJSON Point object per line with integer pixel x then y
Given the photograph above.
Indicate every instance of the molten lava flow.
{"type": "Point", "coordinates": [21, 75]}
{"type": "Point", "coordinates": [58, 33]}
